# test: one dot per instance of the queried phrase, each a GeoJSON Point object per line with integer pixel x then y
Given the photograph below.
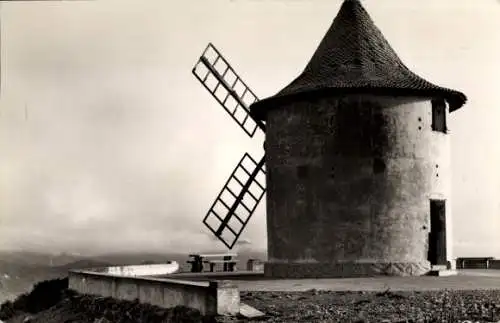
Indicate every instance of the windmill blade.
{"type": "Point", "coordinates": [220, 79]}
{"type": "Point", "coordinates": [237, 201]}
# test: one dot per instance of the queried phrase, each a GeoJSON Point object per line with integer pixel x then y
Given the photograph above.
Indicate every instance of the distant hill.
{"type": "Point", "coordinates": [37, 258]}
{"type": "Point", "coordinates": [83, 264]}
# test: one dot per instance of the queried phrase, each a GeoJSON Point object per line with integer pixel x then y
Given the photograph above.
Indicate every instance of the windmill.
{"type": "Point", "coordinates": [242, 192]}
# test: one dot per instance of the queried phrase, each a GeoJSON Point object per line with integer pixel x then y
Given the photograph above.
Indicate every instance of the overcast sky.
{"type": "Point", "coordinates": [108, 143]}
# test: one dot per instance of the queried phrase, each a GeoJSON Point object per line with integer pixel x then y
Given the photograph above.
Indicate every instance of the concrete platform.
{"type": "Point", "coordinates": [469, 279]}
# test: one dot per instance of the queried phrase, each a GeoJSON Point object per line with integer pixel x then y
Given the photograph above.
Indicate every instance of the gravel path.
{"type": "Point", "coordinates": [329, 306]}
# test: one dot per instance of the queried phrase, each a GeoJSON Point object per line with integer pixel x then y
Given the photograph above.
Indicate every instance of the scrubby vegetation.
{"type": "Point", "coordinates": [44, 295]}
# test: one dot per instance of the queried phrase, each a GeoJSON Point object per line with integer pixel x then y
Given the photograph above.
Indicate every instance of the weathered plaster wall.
{"type": "Point", "coordinates": [144, 270]}
{"type": "Point", "coordinates": [209, 298]}
{"type": "Point", "coordinates": [349, 183]}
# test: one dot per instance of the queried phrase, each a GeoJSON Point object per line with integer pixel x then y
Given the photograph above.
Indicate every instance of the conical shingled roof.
{"type": "Point", "coordinates": [354, 57]}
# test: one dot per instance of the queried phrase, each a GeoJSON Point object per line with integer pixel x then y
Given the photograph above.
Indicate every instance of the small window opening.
{"type": "Point", "coordinates": [439, 116]}
{"type": "Point", "coordinates": [302, 171]}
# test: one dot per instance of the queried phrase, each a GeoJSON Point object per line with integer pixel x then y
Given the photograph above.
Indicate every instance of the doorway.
{"type": "Point", "coordinates": [437, 235]}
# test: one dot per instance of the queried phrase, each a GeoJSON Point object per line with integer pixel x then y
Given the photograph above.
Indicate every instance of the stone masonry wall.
{"type": "Point", "coordinates": [349, 183]}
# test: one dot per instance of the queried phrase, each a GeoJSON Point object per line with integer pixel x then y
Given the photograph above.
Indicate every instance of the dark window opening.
{"type": "Point", "coordinates": [302, 171]}
{"type": "Point", "coordinates": [439, 116]}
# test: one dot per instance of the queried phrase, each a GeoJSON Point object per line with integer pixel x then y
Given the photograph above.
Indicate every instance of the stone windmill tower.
{"type": "Point", "coordinates": [357, 161]}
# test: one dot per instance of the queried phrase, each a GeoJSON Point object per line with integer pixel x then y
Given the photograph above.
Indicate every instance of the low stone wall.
{"type": "Point", "coordinates": [255, 265]}
{"type": "Point", "coordinates": [494, 264]}
{"type": "Point", "coordinates": [475, 262]}
{"type": "Point", "coordinates": [143, 270]}
{"type": "Point", "coordinates": [210, 298]}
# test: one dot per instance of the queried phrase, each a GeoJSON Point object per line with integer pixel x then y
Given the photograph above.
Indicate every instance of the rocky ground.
{"type": "Point", "coordinates": [51, 302]}
{"type": "Point", "coordinates": [325, 306]}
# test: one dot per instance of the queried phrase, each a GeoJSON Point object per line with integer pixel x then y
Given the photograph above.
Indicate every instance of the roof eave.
{"type": "Point", "coordinates": [455, 99]}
